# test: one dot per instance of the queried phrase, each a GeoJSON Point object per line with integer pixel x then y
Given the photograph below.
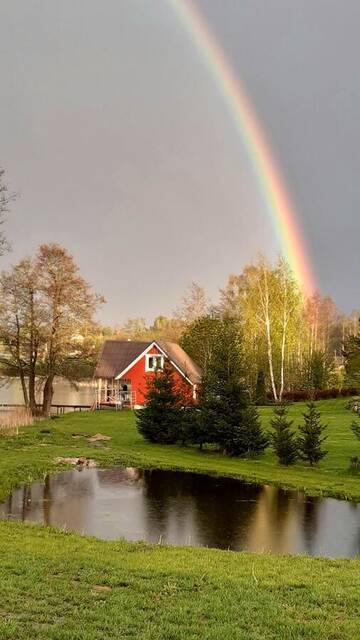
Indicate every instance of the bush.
{"type": "Point", "coordinates": [301, 395]}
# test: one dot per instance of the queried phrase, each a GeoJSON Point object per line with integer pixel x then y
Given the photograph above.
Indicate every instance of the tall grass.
{"type": "Point", "coordinates": [11, 420]}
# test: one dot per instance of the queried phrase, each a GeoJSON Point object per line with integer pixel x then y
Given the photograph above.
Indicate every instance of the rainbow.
{"type": "Point", "coordinates": [268, 176]}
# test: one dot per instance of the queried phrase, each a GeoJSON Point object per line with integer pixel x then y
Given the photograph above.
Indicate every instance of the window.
{"type": "Point", "coordinates": [153, 362]}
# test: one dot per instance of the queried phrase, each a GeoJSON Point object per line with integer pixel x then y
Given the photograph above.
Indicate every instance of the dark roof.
{"type": "Point", "coordinates": [182, 360]}
{"type": "Point", "coordinates": [116, 355]}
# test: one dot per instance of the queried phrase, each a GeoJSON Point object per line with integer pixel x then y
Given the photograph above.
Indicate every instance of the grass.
{"type": "Point", "coordinates": [31, 455]}
{"type": "Point", "coordinates": [61, 586]}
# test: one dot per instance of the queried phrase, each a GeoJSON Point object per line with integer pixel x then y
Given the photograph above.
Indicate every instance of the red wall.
{"type": "Point", "coordinates": [137, 376]}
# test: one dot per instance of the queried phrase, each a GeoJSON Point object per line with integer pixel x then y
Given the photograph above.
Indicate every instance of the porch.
{"type": "Point", "coordinates": [115, 393]}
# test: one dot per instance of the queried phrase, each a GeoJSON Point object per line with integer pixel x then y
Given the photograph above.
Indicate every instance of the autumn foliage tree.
{"type": "Point", "coordinates": [47, 309]}
{"type": "Point", "coordinates": [69, 304]}
{"type": "Point", "coordinates": [22, 322]}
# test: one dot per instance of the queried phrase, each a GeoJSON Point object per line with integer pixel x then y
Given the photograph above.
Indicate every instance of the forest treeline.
{"type": "Point", "coordinates": [290, 343]}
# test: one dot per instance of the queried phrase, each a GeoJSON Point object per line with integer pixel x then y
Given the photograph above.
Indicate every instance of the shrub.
{"type": "Point", "coordinates": [301, 395]}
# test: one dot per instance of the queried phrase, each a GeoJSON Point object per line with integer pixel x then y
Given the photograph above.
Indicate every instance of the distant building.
{"type": "Point", "coordinates": [124, 366]}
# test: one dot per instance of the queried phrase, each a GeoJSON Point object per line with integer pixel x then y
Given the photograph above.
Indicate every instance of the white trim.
{"type": "Point", "coordinates": [130, 366]}
{"type": "Point", "coordinates": [153, 344]}
{"type": "Point", "coordinates": [153, 355]}
{"type": "Point", "coordinates": [174, 364]}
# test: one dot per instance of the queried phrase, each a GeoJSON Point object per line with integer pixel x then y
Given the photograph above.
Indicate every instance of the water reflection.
{"type": "Point", "coordinates": [186, 508]}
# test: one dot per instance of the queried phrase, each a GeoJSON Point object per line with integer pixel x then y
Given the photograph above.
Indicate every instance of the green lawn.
{"type": "Point", "coordinates": [31, 455]}
{"type": "Point", "coordinates": [60, 586]}
{"type": "Point", "coordinates": [57, 586]}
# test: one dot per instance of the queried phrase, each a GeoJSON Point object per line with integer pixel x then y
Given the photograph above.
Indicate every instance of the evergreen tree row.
{"type": "Point", "coordinates": [224, 416]}
{"type": "Point", "coordinates": [288, 445]}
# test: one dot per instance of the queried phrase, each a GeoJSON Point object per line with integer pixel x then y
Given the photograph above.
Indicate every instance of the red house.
{"type": "Point", "coordinates": [124, 366]}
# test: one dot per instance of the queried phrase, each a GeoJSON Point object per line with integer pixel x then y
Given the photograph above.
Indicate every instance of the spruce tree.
{"type": "Point", "coordinates": [283, 439]}
{"type": "Point", "coordinates": [311, 436]}
{"type": "Point", "coordinates": [227, 417]}
{"type": "Point", "coordinates": [260, 393]}
{"type": "Point", "coordinates": [355, 460]}
{"type": "Point", "coordinates": [160, 419]}
{"type": "Point", "coordinates": [355, 428]}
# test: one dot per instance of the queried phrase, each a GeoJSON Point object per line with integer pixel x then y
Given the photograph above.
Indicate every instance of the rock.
{"type": "Point", "coordinates": [98, 437]}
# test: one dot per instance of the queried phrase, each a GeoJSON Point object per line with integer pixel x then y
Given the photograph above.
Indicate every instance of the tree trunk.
{"type": "Point", "coordinates": [270, 359]}
{"type": "Point", "coordinates": [32, 399]}
{"type": "Point", "coordinates": [24, 389]}
{"type": "Point", "coordinates": [283, 347]}
{"type": "Point", "coordinates": [20, 363]}
{"type": "Point", "coordinates": [48, 395]}
{"type": "Point", "coordinates": [32, 357]}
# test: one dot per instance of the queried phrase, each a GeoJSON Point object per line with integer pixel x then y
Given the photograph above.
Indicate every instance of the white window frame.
{"type": "Point", "coordinates": [149, 369]}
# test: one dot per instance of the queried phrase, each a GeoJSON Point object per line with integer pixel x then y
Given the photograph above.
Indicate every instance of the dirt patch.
{"type": "Point", "coordinates": [100, 588]}
{"type": "Point", "coordinates": [98, 437]}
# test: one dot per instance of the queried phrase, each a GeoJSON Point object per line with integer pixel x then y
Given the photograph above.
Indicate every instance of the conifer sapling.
{"type": "Point", "coordinates": [283, 439]}
{"type": "Point", "coordinates": [160, 419]}
{"type": "Point", "coordinates": [311, 436]}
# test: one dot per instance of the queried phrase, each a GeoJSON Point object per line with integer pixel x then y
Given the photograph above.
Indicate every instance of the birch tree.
{"type": "Point", "coordinates": [271, 304]}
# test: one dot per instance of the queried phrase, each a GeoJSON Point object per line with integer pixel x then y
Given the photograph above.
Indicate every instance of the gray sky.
{"type": "Point", "coordinates": [122, 149]}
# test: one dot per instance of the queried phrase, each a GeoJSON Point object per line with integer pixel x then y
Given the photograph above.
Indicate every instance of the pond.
{"type": "Point", "coordinates": [189, 509]}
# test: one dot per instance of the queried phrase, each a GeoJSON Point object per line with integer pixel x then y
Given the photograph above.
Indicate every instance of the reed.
{"type": "Point", "coordinates": [10, 421]}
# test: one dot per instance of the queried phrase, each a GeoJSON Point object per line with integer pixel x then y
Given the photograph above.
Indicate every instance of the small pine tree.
{"type": "Point", "coordinates": [355, 428]}
{"type": "Point", "coordinates": [246, 437]}
{"type": "Point", "coordinates": [283, 439]}
{"type": "Point", "coordinates": [260, 393]}
{"type": "Point", "coordinates": [355, 460]}
{"type": "Point", "coordinates": [311, 436]}
{"type": "Point", "coordinates": [160, 419]}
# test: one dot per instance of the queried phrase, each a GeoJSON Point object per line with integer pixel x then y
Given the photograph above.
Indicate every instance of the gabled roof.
{"type": "Point", "coordinates": [117, 356]}
{"type": "Point", "coordinates": [180, 358]}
